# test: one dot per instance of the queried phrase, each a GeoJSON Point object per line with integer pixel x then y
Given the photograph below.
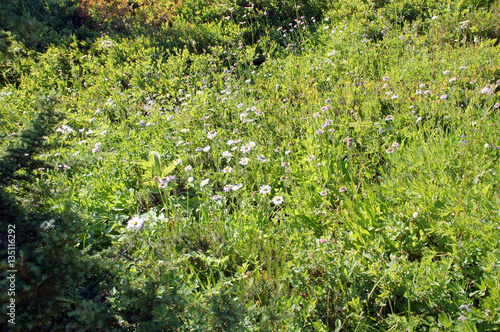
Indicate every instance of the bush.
{"type": "Point", "coordinates": [54, 279]}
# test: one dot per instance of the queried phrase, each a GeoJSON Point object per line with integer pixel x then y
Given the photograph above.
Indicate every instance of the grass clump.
{"type": "Point", "coordinates": [231, 168]}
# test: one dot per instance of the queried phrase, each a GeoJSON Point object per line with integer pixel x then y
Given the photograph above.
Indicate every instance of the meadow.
{"type": "Point", "coordinates": [303, 165]}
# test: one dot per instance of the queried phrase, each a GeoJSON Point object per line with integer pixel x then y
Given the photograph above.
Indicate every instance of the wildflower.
{"type": "Point", "coordinates": [265, 189]}
{"type": "Point", "coordinates": [251, 145]}
{"type": "Point", "coordinates": [323, 193]}
{"type": "Point", "coordinates": [177, 161]}
{"type": "Point", "coordinates": [245, 149]}
{"type": "Point", "coordinates": [278, 149]}
{"type": "Point", "coordinates": [389, 118]}
{"type": "Point", "coordinates": [421, 86]}
{"type": "Point", "coordinates": [135, 223]}
{"type": "Point", "coordinates": [237, 187]}
{"type": "Point", "coordinates": [486, 146]}
{"type": "Point", "coordinates": [216, 197]}
{"type": "Point", "coordinates": [287, 152]}
{"type": "Point", "coordinates": [427, 92]}
{"type": "Point", "coordinates": [65, 130]}
{"type": "Point", "coordinates": [227, 154]}
{"type": "Point", "coordinates": [188, 168]}
{"type": "Point", "coordinates": [206, 148]}
{"type": "Point", "coordinates": [320, 131]}
{"type": "Point", "coordinates": [322, 240]}
{"type": "Point", "coordinates": [262, 158]}
{"type": "Point", "coordinates": [190, 179]}
{"type": "Point", "coordinates": [211, 134]}
{"type": "Point", "coordinates": [486, 90]}
{"type": "Point", "coordinates": [277, 200]}
{"type": "Point", "coordinates": [283, 177]}
{"type": "Point", "coordinates": [415, 215]}
{"type": "Point", "coordinates": [227, 169]}
{"type": "Point", "coordinates": [395, 145]}
{"type": "Point", "coordinates": [288, 170]}
{"type": "Point", "coordinates": [204, 182]}
{"type": "Point", "coordinates": [107, 43]}
{"type": "Point", "coordinates": [141, 123]}
{"type": "Point", "coordinates": [343, 189]}
{"type": "Point", "coordinates": [462, 67]}
{"type": "Point", "coordinates": [453, 79]}
{"type": "Point", "coordinates": [315, 115]}
{"type": "Point", "coordinates": [228, 187]}
{"type": "Point", "coordinates": [47, 224]}
{"type": "Point", "coordinates": [443, 97]}
{"type": "Point", "coordinates": [497, 105]}
{"type": "Point", "coordinates": [385, 78]}
{"type": "Point", "coordinates": [96, 148]}
{"type": "Point", "coordinates": [389, 150]}
{"type": "Point", "coordinates": [244, 161]}
{"type": "Point", "coordinates": [446, 72]}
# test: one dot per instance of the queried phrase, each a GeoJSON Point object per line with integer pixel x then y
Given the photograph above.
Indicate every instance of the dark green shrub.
{"type": "Point", "coordinates": [54, 281]}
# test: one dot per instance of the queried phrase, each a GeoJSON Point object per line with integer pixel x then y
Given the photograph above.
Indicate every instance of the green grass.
{"type": "Point", "coordinates": [375, 127]}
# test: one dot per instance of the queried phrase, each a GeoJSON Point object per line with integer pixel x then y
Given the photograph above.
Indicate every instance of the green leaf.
{"type": "Point", "coordinates": [155, 161]}
{"type": "Point", "coordinates": [167, 170]}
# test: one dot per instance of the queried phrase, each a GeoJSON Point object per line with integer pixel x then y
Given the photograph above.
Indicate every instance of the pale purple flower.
{"type": "Point", "coordinates": [486, 90]}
